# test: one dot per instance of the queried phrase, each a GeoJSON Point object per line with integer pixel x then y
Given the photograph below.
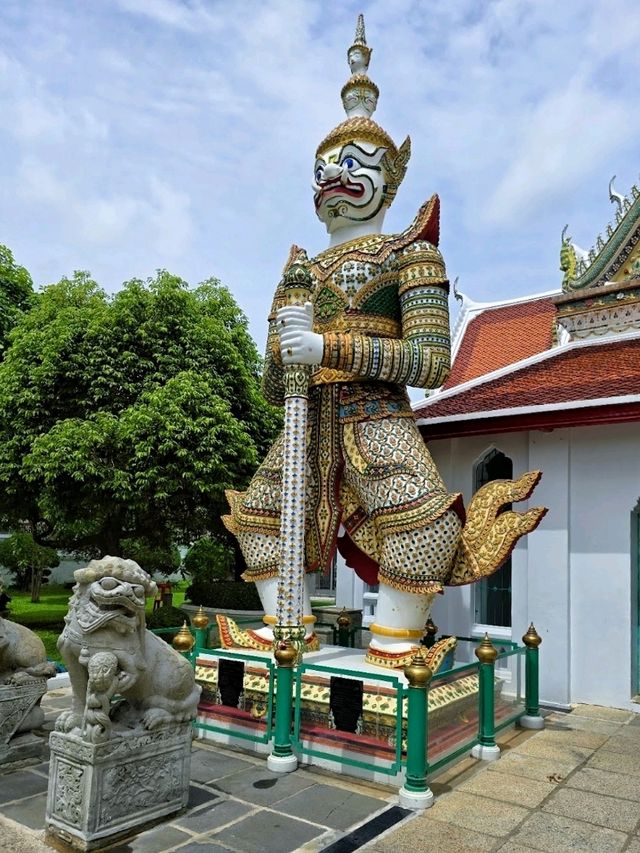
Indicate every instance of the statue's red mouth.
{"type": "Point", "coordinates": [336, 187]}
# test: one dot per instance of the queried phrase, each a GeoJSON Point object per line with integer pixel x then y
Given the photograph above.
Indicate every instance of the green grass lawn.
{"type": "Point", "coordinates": [46, 618]}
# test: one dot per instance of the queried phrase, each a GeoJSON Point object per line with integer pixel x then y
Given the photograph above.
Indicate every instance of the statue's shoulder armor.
{"type": "Point", "coordinates": [425, 226]}
{"type": "Point", "coordinates": [296, 255]}
{"type": "Point", "coordinates": [376, 248]}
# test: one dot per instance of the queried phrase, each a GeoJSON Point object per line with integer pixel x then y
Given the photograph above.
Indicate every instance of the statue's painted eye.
{"type": "Point", "coordinates": [319, 173]}
{"type": "Point", "coordinates": [348, 162]}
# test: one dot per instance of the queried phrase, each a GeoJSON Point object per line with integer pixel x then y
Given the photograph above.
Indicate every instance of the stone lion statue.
{"type": "Point", "coordinates": [22, 655]}
{"type": "Point", "coordinates": [106, 620]}
{"type": "Point", "coordinates": [23, 670]}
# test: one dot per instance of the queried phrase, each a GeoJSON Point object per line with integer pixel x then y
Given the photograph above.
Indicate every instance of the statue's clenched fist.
{"type": "Point", "coordinates": [298, 343]}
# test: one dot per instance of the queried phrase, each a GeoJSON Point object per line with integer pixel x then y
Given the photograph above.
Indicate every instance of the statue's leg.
{"type": "Point", "coordinates": [413, 567]}
{"type": "Point", "coordinates": [78, 676]}
{"type": "Point", "coordinates": [416, 524]}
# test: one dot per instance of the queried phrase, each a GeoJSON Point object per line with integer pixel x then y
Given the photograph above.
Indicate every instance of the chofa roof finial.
{"type": "Point", "coordinates": [614, 197]}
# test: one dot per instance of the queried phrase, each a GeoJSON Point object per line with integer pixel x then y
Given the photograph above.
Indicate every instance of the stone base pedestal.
{"type": "Point", "coordinates": [485, 753]}
{"type": "Point", "coordinates": [417, 801]}
{"type": "Point", "coordinates": [20, 712]}
{"type": "Point", "coordinates": [531, 722]}
{"type": "Point", "coordinates": [100, 793]}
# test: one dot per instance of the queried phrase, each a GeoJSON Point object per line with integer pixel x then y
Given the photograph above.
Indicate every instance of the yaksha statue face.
{"type": "Point", "coordinates": [349, 184]}
{"type": "Point", "coordinates": [358, 168]}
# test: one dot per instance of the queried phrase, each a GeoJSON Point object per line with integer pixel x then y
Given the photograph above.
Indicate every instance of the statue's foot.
{"type": "Point", "coordinates": [232, 637]}
{"type": "Point", "coordinates": [68, 721]}
{"type": "Point", "coordinates": [390, 658]}
{"type": "Point", "coordinates": [156, 717]}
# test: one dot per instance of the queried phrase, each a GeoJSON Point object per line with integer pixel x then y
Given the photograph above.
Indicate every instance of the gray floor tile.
{"type": "Point", "coordinates": [207, 765]}
{"type": "Point", "coordinates": [154, 841]}
{"type": "Point", "coordinates": [22, 783]}
{"type": "Point", "coordinates": [331, 806]}
{"type": "Point", "coordinates": [263, 788]}
{"type": "Point", "coordinates": [210, 818]}
{"type": "Point", "coordinates": [203, 845]}
{"type": "Point", "coordinates": [30, 812]}
{"type": "Point", "coordinates": [199, 796]}
{"type": "Point", "coordinates": [267, 832]}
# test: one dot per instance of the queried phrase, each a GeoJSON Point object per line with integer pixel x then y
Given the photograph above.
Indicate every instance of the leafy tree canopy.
{"type": "Point", "coordinates": [27, 561]}
{"type": "Point", "coordinates": [16, 293]}
{"type": "Point", "coordinates": [210, 558]}
{"type": "Point", "coordinates": [123, 419]}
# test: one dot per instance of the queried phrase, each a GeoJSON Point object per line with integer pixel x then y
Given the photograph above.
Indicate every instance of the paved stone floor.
{"type": "Point", "coordinates": [574, 786]}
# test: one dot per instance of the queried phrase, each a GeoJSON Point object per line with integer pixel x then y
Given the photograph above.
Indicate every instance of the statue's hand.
{"type": "Point", "coordinates": [125, 680]}
{"type": "Point", "coordinates": [298, 344]}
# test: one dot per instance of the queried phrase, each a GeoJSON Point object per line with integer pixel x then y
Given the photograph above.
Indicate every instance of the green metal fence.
{"type": "Point", "coordinates": [523, 702]}
{"type": "Point", "coordinates": [297, 737]}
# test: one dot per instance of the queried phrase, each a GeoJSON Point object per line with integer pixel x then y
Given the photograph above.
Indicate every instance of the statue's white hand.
{"type": "Point", "coordinates": [298, 344]}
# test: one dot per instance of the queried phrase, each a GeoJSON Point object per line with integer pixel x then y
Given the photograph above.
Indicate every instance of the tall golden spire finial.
{"type": "Point", "coordinates": [359, 94]}
{"type": "Point", "coordinates": [359, 99]}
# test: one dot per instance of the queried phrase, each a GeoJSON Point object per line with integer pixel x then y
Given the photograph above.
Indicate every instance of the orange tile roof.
{"type": "Point", "coordinates": [501, 336]}
{"type": "Point", "coordinates": [570, 375]}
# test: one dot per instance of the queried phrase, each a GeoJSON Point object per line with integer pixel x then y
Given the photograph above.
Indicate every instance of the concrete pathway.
{"type": "Point", "coordinates": [574, 786]}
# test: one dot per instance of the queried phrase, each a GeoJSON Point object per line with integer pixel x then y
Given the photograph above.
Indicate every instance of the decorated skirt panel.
{"type": "Point", "coordinates": [374, 474]}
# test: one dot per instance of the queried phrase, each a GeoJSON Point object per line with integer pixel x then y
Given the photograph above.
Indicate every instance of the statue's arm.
{"type": "Point", "coordinates": [422, 357]}
{"type": "Point", "coordinates": [272, 376]}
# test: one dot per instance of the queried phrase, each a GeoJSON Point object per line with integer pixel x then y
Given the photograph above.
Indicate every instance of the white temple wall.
{"type": "Point", "coordinates": [605, 487]}
{"type": "Point", "coordinates": [575, 577]}
{"type": "Point", "coordinates": [548, 593]}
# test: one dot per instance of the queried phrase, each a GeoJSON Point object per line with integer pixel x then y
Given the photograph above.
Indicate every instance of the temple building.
{"type": "Point", "coordinates": [551, 381]}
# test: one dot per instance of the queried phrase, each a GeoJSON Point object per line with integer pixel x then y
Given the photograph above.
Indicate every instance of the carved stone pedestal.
{"type": "Point", "coordinates": [99, 793]}
{"type": "Point", "coordinates": [20, 712]}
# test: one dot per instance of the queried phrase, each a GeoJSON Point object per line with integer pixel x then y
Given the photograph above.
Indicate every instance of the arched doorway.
{"type": "Point", "coordinates": [492, 595]}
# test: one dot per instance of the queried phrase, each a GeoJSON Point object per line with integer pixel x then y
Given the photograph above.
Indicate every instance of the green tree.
{"type": "Point", "coordinates": [155, 559]}
{"type": "Point", "coordinates": [210, 558]}
{"type": "Point", "coordinates": [16, 293]}
{"type": "Point", "coordinates": [126, 418]}
{"type": "Point", "coordinates": [27, 560]}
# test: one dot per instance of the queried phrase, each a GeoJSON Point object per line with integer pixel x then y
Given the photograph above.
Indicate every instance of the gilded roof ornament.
{"type": "Point", "coordinates": [614, 197]}
{"type": "Point", "coordinates": [611, 258]}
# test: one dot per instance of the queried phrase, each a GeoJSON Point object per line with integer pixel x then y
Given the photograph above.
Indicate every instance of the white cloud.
{"type": "Point", "coordinates": [181, 133]}
{"type": "Point", "coordinates": [566, 136]}
{"type": "Point", "coordinates": [181, 14]}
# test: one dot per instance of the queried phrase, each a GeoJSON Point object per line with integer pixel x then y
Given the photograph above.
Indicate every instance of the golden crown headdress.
{"type": "Point", "coordinates": [360, 99]}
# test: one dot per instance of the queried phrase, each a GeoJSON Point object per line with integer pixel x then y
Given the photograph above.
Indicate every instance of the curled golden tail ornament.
{"type": "Point", "coordinates": [490, 535]}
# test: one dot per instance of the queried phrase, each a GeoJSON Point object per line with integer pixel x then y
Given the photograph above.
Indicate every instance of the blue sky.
{"type": "Point", "coordinates": [137, 134]}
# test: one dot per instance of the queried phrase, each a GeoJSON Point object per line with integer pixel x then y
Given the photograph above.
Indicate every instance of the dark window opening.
{"type": "Point", "coordinates": [493, 594]}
